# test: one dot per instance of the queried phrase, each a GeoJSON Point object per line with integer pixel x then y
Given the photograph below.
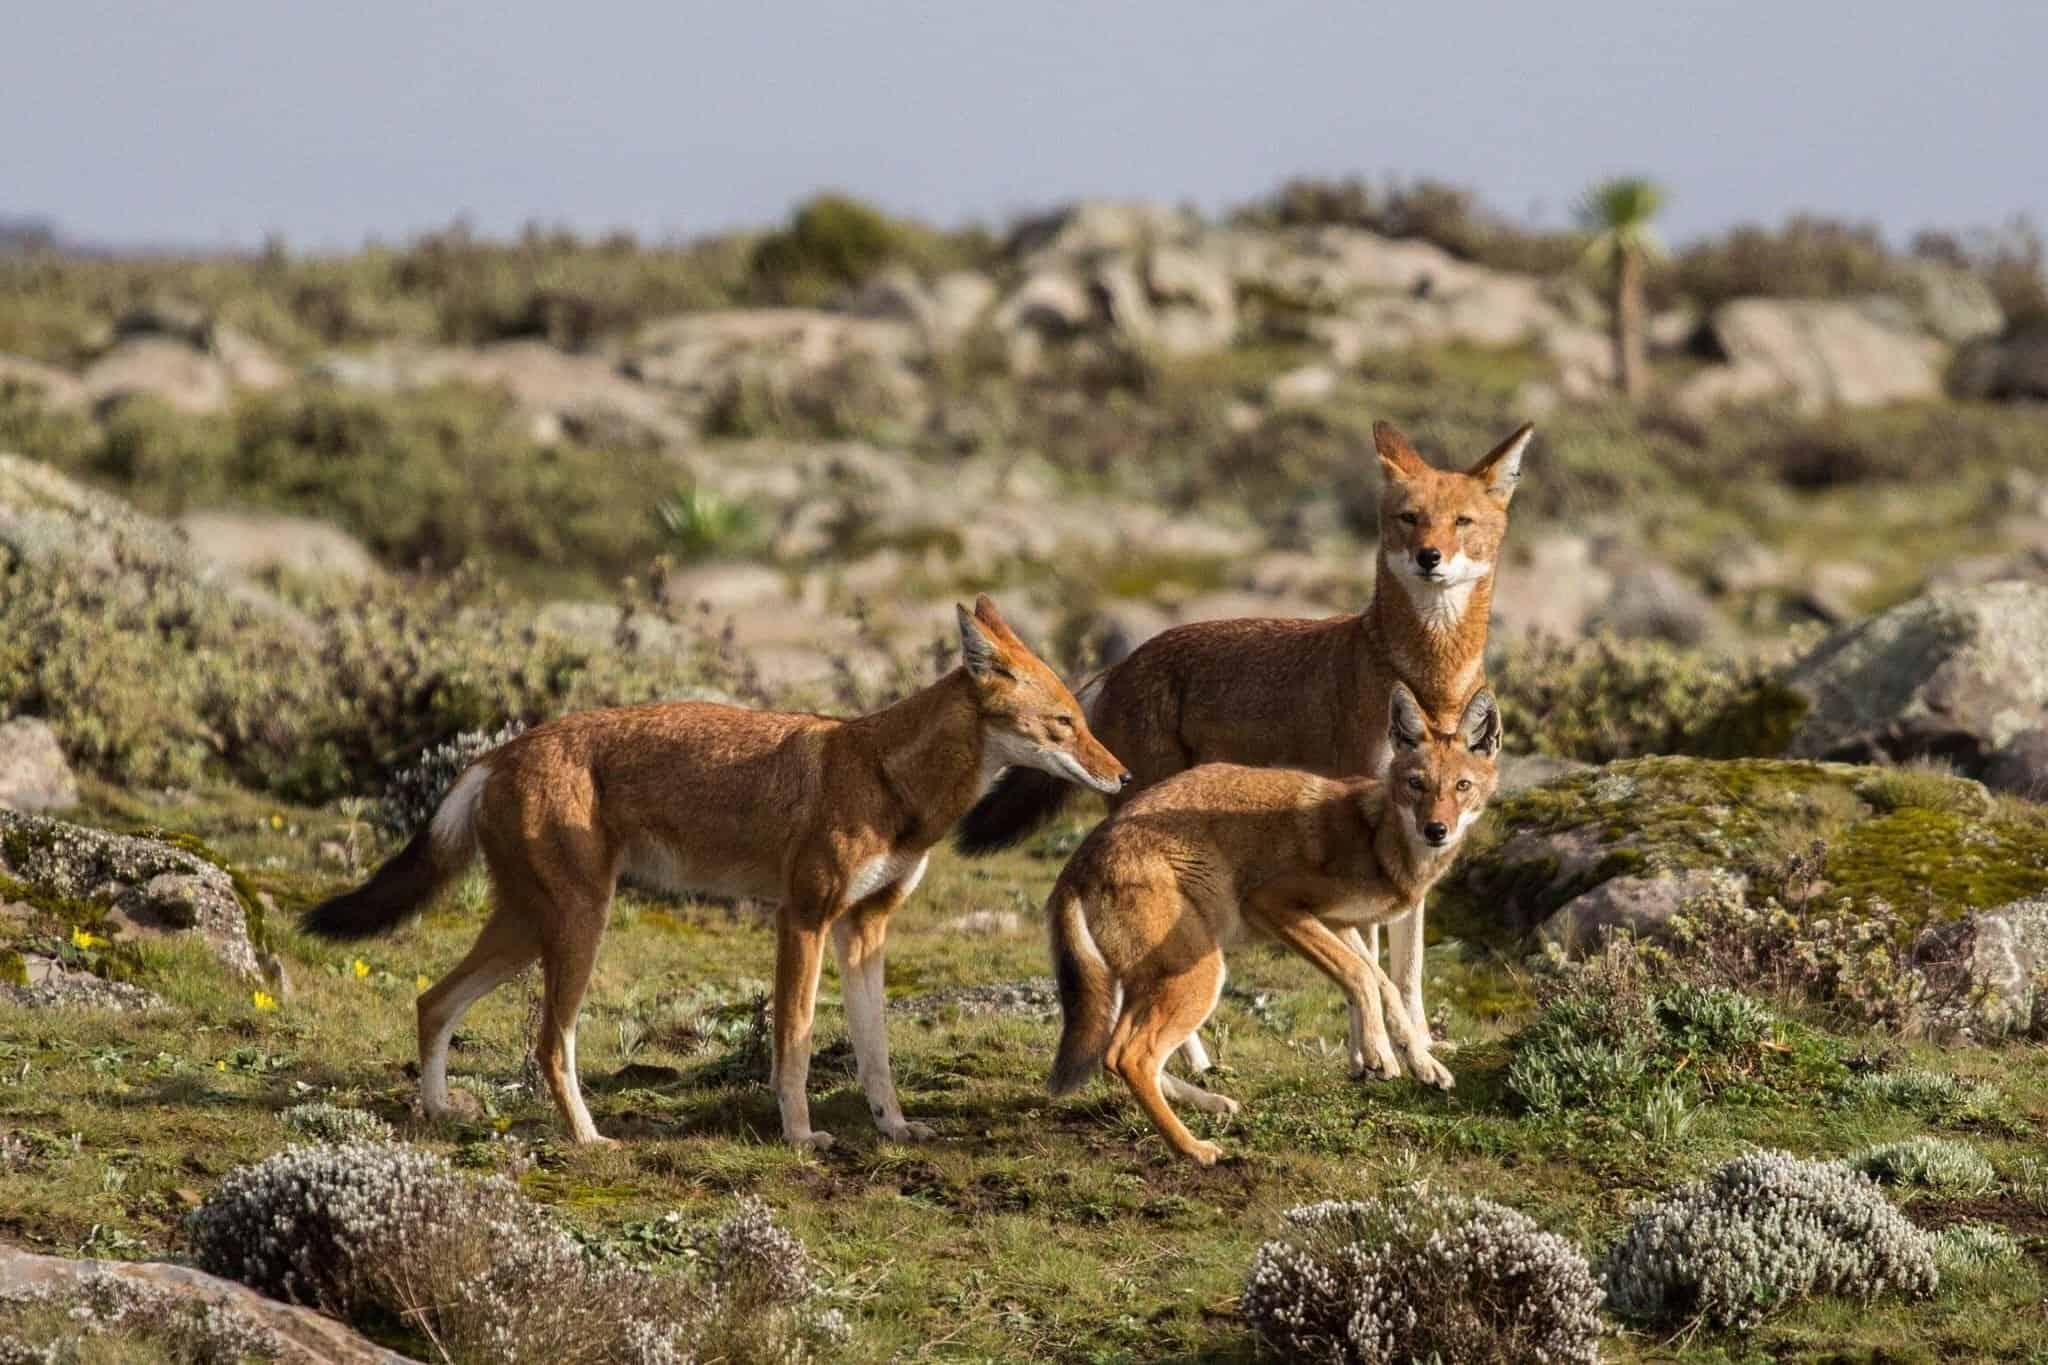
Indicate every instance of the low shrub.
{"type": "Point", "coordinates": [1928, 1163]}
{"type": "Point", "coordinates": [1763, 1231]}
{"type": "Point", "coordinates": [1931, 1094]}
{"type": "Point", "coordinates": [1419, 1276]}
{"type": "Point", "coordinates": [1618, 1037]}
{"type": "Point", "coordinates": [1971, 1248]}
{"type": "Point", "coordinates": [1604, 698]}
{"type": "Point", "coordinates": [113, 1317]}
{"type": "Point", "coordinates": [413, 793]}
{"type": "Point", "coordinates": [383, 1233]}
{"type": "Point", "coordinates": [322, 1122]}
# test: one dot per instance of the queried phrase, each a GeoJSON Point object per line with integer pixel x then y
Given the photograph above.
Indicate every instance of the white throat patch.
{"type": "Point", "coordinates": [1441, 602]}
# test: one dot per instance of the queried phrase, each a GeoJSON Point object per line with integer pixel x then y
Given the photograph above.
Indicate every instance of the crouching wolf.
{"type": "Point", "coordinates": [832, 818]}
{"type": "Point", "coordinates": [1141, 914]}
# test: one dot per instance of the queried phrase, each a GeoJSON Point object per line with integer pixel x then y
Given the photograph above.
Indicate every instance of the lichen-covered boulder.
{"type": "Point", "coordinates": [126, 887]}
{"type": "Point", "coordinates": [1931, 848]}
{"type": "Point", "coordinates": [34, 776]}
{"type": "Point", "coordinates": [1993, 967]}
{"type": "Point", "coordinates": [1957, 675]}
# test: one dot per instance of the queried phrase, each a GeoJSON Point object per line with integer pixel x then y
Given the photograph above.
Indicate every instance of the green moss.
{"type": "Point", "coordinates": [246, 894]}
{"type": "Point", "coordinates": [13, 969]}
{"type": "Point", "coordinates": [79, 911]}
{"type": "Point", "coordinates": [1932, 848]}
{"type": "Point", "coordinates": [1935, 864]}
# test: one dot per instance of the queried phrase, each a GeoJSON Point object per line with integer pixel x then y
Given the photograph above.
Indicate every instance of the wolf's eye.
{"type": "Point", "coordinates": [1063, 723]}
{"type": "Point", "coordinates": [1412, 518]}
{"type": "Point", "coordinates": [1415, 784]}
{"type": "Point", "coordinates": [1464, 784]}
{"type": "Point", "coordinates": [1464, 521]}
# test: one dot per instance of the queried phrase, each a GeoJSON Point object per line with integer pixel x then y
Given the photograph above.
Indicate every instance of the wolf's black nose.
{"type": "Point", "coordinates": [1124, 780]}
{"type": "Point", "coordinates": [1436, 831]}
{"type": "Point", "coordinates": [1429, 557]}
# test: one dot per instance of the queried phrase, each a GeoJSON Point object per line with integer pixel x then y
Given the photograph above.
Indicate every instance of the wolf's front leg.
{"type": "Point", "coordinates": [859, 936]}
{"type": "Point", "coordinates": [1404, 958]}
{"type": "Point", "coordinates": [799, 956]}
{"type": "Point", "coordinates": [1370, 1053]}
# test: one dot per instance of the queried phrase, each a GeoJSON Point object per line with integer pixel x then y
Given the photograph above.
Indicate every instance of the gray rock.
{"type": "Point", "coordinates": [151, 888]}
{"type": "Point", "coordinates": [180, 375]}
{"type": "Point", "coordinates": [257, 543]}
{"type": "Point", "coordinates": [1096, 225]}
{"type": "Point", "coordinates": [34, 776]}
{"type": "Point", "coordinates": [52, 985]}
{"type": "Point", "coordinates": [1993, 967]}
{"type": "Point", "coordinates": [1954, 304]}
{"type": "Point", "coordinates": [700, 360]}
{"type": "Point", "coordinates": [1642, 905]}
{"type": "Point", "coordinates": [1519, 772]}
{"type": "Point", "coordinates": [1654, 601]}
{"type": "Point", "coordinates": [1956, 675]}
{"type": "Point", "coordinates": [2020, 765]}
{"type": "Point", "coordinates": [310, 1338]}
{"type": "Point", "coordinates": [56, 388]}
{"type": "Point", "coordinates": [1826, 353]}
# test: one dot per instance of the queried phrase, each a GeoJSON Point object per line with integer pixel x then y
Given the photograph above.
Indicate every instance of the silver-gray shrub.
{"type": "Point", "coordinates": [1421, 1274]}
{"type": "Point", "coordinates": [382, 1230]}
{"type": "Point", "coordinates": [412, 793]}
{"type": "Point", "coordinates": [323, 1122]}
{"type": "Point", "coordinates": [1762, 1231]}
{"type": "Point", "coordinates": [54, 1324]}
{"type": "Point", "coordinates": [1927, 1162]}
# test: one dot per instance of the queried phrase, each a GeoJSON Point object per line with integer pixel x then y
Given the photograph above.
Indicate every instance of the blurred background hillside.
{"type": "Point", "coordinates": [402, 481]}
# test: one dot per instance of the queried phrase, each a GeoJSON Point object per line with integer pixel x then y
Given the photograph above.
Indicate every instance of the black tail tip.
{"type": "Point", "coordinates": [1008, 813]}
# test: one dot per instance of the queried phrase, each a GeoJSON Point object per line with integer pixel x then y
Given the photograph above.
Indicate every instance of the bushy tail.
{"type": "Point", "coordinates": [1021, 801]}
{"type": "Point", "coordinates": [403, 886]}
{"type": "Point", "coordinates": [1088, 995]}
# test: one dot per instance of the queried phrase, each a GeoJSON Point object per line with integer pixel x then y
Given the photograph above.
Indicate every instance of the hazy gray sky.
{"type": "Point", "coordinates": [216, 121]}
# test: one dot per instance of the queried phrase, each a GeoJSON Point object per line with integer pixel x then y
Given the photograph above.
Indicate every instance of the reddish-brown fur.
{"type": "Point", "coordinates": [1141, 914]}
{"type": "Point", "coordinates": [1308, 694]}
{"type": "Point", "coordinates": [831, 818]}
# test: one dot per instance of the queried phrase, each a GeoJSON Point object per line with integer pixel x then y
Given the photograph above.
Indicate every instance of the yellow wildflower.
{"type": "Point", "coordinates": [264, 1000]}
{"type": "Point", "coordinates": [360, 968]}
{"type": "Point", "coordinates": [84, 938]}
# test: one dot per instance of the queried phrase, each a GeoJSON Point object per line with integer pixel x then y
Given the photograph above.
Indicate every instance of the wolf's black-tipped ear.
{"type": "Point", "coordinates": [1501, 469]}
{"type": "Point", "coordinates": [1480, 726]}
{"type": "Point", "coordinates": [978, 649]}
{"type": "Point", "coordinates": [1406, 725]}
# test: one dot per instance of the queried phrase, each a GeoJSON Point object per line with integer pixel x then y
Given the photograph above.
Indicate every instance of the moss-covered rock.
{"type": "Point", "coordinates": [125, 886]}
{"type": "Point", "coordinates": [1931, 846]}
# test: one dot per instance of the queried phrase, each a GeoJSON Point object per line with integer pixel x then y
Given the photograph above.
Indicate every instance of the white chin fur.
{"type": "Point", "coordinates": [1001, 751]}
{"type": "Point", "coordinates": [1441, 601]}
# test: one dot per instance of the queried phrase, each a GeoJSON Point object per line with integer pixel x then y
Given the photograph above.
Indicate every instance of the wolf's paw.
{"type": "Point", "coordinates": [812, 1141]}
{"type": "Point", "coordinates": [1204, 1153]}
{"type": "Point", "coordinates": [907, 1130]}
{"type": "Point", "coordinates": [1379, 1067]}
{"type": "Point", "coordinates": [1430, 1071]}
{"type": "Point", "coordinates": [456, 1104]}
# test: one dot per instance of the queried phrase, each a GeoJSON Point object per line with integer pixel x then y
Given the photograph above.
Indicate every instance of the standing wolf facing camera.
{"type": "Point", "coordinates": [1310, 694]}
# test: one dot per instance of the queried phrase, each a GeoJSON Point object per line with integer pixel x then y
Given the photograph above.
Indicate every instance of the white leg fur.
{"type": "Point", "coordinates": [861, 991]}
{"type": "Point", "coordinates": [579, 1115]}
{"type": "Point", "coordinates": [1405, 945]}
{"type": "Point", "coordinates": [1194, 1055]}
{"type": "Point", "coordinates": [1370, 1052]}
{"type": "Point", "coordinates": [434, 1057]}
{"type": "Point", "coordinates": [1186, 1092]}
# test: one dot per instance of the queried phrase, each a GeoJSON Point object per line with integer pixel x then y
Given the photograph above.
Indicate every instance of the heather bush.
{"type": "Point", "coordinates": [1932, 1094]}
{"type": "Point", "coordinates": [331, 1123]}
{"type": "Point", "coordinates": [1603, 698]}
{"type": "Point", "coordinates": [1848, 956]}
{"type": "Point", "coordinates": [1809, 257]}
{"type": "Point", "coordinates": [1419, 1276]}
{"type": "Point", "coordinates": [1762, 1231]}
{"type": "Point", "coordinates": [1971, 1248]}
{"type": "Point", "coordinates": [1619, 1035]}
{"type": "Point", "coordinates": [151, 678]}
{"type": "Point", "coordinates": [383, 1232]}
{"type": "Point", "coordinates": [1928, 1163]}
{"type": "Point", "coordinates": [413, 793]}
{"type": "Point", "coordinates": [109, 1316]}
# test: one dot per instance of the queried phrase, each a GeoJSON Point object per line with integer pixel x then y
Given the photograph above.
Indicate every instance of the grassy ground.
{"type": "Point", "coordinates": [1031, 1228]}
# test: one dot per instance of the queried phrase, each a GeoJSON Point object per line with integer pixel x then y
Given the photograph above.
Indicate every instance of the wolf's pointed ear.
{"type": "Point", "coordinates": [1480, 727]}
{"type": "Point", "coordinates": [1398, 459]}
{"type": "Point", "coordinates": [985, 612]}
{"type": "Point", "coordinates": [1501, 470]}
{"type": "Point", "coordinates": [979, 650]}
{"type": "Point", "coordinates": [1406, 725]}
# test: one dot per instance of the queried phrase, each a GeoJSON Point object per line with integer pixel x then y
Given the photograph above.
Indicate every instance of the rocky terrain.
{"type": "Point", "coordinates": [1772, 647]}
